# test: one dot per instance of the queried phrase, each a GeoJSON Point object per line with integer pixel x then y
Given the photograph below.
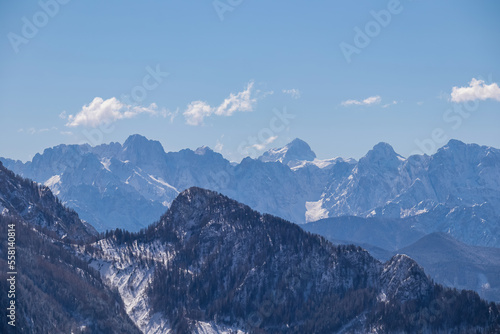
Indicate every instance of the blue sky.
{"type": "Point", "coordinates": [245, 76]}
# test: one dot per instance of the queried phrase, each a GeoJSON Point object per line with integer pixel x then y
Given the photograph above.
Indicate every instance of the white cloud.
{"type": "Point", "coordinates": [219, 146]}
{"type": "Point", "coordinates": [263, 145]}
{"type": "Point", "coordinates": [264, 94]}
{"type": "Point", "coordinates": [170, 114]}
{"type": "Point", "coordinates": [101, 111]}
{"type": "Point", "coordinates": [196, 111]}
{"type": "Point", "coordinates": [294, 93]}
{"type": "Point", "coordinates": [366, 102]}
{"type": "Point", "coordinates": [477, 90]}
{"type": "Point", "coordinates": [239, 102]}
{"type": "Point", "coordinates": [390, 104]}
{"type": "Point", "coordinates": [33, 130]}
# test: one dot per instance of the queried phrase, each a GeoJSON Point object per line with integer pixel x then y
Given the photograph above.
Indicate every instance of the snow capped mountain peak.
{"type": "Point", "coordinates": [381, 156]}
{"type": "Point", "coordinates": [296, 150]}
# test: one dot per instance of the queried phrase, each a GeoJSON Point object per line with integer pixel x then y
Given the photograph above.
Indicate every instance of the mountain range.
{"type": "Point", "coordinates": [455, 191]}
{"type": "Point", "coordinates": [213, 265]}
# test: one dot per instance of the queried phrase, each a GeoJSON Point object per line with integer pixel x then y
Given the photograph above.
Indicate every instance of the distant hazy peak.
{"type": "Point", "coordinates": [382, 149]}
{"type": "Point", "coordinates": [471, 152]}
{"type": "Point", "coordinates": [139, 140]}
{"type": "Point", "coordinates": [203, 150]}
{"type": "Point", "coordinates": [455, 143]}
{"type": "Point", "coordinates": [141, 145]}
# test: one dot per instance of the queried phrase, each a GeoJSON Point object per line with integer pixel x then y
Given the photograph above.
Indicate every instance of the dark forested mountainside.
{"type": "Point", "coordinates": [232, 266]}
{"type": "Point", "coordinates": [56, 291]}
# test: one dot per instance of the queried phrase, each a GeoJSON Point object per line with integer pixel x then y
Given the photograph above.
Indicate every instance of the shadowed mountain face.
{"type": "Point", "coordinates": [226, 267]}
{"type": "Point", "coordinates": [37, 205]}
{"type": "Point", "coordinates": [55, 289]}
{"type": "Point", "coordinates": [456, 190]}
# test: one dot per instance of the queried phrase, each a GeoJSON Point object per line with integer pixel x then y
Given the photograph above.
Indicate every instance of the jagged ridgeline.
{"type": "Point", "coordinates": [215, 263]}
{"type": "Point", "coordinates": [129, 185]}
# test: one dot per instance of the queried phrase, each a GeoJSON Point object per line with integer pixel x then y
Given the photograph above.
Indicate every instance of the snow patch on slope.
{"type": "Point", "coordinates": [160, 181]}
{"type": "Point", "coordinates": [106, 162]}
{"type": "Point", "coordinates": [54, 184]}
{"type": "Point", "coordinates": [315, 211]}
{"type": "Point", "coordinates": [120, 268]}
{"type": "Point", "coordinates": [132, 279]}
{"type": "Point", "coordinates": [320, 163]}
{"type": "Point", "coordinates": [212, 328]}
